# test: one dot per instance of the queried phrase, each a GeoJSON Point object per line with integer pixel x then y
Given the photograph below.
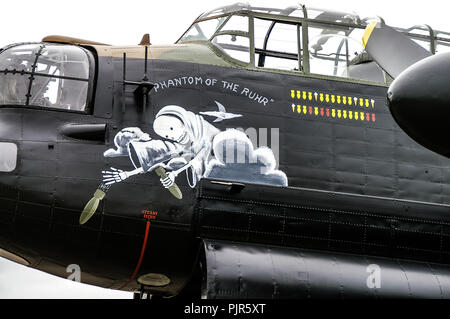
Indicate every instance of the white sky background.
{"type": "Point", "coordinates": [123, 23]}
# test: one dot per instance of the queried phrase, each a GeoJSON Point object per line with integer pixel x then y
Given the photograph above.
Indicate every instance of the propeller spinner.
{"type": "Point", "coordinates": [419, 97]}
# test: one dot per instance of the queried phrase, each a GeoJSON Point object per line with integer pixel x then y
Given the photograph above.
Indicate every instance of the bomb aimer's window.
{"type": "Point", "coordinates": [8, 157]}
{"type": "Point", "coordinates": [45, 75]}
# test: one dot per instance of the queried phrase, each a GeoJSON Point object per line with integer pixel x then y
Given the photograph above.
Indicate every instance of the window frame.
{"type": "Point", "coordinates": [264, 52]}
{"type": "Point", "coordinates": [88, 109]}
{"type": "Point", "coordinates": [240, 33]}
{"type": "Point", "coordinates": [435, 37]}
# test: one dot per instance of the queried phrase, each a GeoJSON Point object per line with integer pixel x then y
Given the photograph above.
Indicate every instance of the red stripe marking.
{"type": "Point", "coordinates": [141, 257]}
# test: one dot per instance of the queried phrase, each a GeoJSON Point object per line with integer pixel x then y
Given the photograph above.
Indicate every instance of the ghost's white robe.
{"type": "Point", "coordinates": [198, 145]}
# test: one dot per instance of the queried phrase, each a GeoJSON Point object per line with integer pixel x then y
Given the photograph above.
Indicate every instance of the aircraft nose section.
{"type": "Point", "coordinates": [419, 100]}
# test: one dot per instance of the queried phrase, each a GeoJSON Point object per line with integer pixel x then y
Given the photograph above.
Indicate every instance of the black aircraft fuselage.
{"type": "Point", "coordinates": [325, 185]}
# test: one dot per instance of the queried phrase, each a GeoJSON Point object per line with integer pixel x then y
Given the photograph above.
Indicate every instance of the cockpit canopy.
{"type": "Point", "coordinates": [293, 11]}
{"type": "Point", "coordinates": [45, 75]}
{"type": "Point", "coordinates": [299, 39]}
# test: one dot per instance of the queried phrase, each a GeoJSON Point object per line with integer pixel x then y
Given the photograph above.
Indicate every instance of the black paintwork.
{"type": "Point", "coordinates": [324, 220]}
{"type": "Point", "coordinates": [237, 270]}
{"type": "Point", "coordinates": [376, 163]}
{"type": "Point", "coordinates": [419, 101]}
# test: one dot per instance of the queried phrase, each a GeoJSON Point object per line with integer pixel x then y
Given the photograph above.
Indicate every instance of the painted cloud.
{"type": "Point", "coordinates": [236, 159]}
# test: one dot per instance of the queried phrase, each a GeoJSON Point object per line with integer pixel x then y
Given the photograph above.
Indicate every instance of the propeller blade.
{"type": "Point", "coordinates": [174, 189]}
{"type": "Point", "coordinates": [91, 206]}
{"type": "Point", "coordinates": [392, 50]}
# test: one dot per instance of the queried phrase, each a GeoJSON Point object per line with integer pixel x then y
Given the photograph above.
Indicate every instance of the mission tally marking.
{"type": "Point", "coordinates": [359, 104]}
